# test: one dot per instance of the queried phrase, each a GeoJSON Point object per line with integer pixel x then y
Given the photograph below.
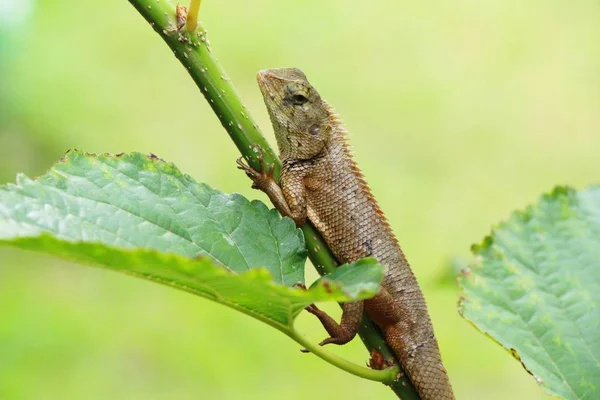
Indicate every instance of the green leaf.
{"type": "Point", "coordinates": [134, 200]}
{"type": "Point", "coordinates": [355, 285]}
{"type": "Point", "coordinates": [142, 216]}
{"type": "Point", "coordinates": [535, 288]}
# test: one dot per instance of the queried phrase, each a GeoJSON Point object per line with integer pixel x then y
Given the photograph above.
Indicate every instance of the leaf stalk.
{"type": "Point", "coordinates": [386, 376]}
{"type": "Point", "coordinates": [191, 20]}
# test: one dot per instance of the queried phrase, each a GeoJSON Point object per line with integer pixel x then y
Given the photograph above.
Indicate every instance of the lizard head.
{"type": "Point", "coordinates": [300, 118]}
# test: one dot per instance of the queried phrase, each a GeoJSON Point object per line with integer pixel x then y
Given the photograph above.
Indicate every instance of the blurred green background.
{"type": "Point", "coordinates": [460, 112]}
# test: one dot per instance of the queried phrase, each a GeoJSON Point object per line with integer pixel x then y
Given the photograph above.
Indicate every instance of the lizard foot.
{"type": "Point", "coordinates": [378, 362]}
{"type": "Point", "coordinates": [339, 333]}
{"type": "Point", "coordinates": [300, 285]}
{"type": "Point", "coordinates": [260, 179]}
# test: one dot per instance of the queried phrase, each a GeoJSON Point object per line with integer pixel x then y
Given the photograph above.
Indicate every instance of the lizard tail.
{"type": "Point", "coordinates": [424, 366]}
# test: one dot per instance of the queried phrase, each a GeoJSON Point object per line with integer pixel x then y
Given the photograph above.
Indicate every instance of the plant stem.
{"type": "Point", "coordinates": [386, 376]}
{"type": "Point", "coordinates": [195, 54]}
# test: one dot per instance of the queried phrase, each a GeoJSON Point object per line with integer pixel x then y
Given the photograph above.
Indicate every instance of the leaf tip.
{"type": "Point", "coordinates": [485, 244]}
{"type": "Point", "coordinates": [560, 191]}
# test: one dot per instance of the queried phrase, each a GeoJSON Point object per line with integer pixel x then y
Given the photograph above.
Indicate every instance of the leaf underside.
{"type": "Point", "coordinates": [140, 215]}
{"type": "Point", "coordinates": [535, 288]}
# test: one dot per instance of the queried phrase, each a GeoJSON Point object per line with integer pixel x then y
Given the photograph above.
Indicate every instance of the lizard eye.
{"type": "Point", "coordinates": [296, 94]}
{"type": "Point", "coordinates": [299, 99]}
{"type": "Point", "coordinates": [314, 130]}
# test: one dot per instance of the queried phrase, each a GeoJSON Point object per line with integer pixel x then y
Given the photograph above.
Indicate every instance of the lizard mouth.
{"type": "Point", "coordinates": [266, 83]}
{"type": "Point", "coordinates": [261, 74]}
{"type": "Point", "coordinates": [261, 77]}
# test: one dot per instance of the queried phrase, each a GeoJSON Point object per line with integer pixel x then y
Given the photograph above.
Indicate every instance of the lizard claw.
{"type": "Point", "coordinates": [260, 156]}
{"type": "Point", "coordinates": [313, 309]}
{"type": "Point", "coordinates": [244, 166]}
{"type": "Point", "coordinates": [300, 285]}
{"type": "Point", "coordinates": [260, 179]}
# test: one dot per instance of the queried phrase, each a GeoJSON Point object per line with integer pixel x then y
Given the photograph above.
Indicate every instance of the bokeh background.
{"type": "Point", "coordinates": [460, 111]}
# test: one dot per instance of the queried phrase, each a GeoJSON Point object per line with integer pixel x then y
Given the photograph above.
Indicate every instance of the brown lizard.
{"type": "Point", "coordinates": [321, 182]}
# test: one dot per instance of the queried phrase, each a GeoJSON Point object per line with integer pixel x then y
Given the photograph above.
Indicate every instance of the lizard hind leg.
{"type": "Point", "coordinates": [345, 331]}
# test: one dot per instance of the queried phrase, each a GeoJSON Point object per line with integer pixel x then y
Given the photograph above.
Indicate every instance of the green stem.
{"type": "Point", "coordinates": [195, 54]}
{"type": "Point", "coordinates": [386, 376]}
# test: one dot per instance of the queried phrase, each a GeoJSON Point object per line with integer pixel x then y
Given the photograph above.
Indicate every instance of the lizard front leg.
{"type": "Point", "coordinates": [291, 202]}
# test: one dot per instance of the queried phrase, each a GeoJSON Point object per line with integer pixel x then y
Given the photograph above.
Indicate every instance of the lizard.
{"type": "Point", "coordinates": [321, 183]}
